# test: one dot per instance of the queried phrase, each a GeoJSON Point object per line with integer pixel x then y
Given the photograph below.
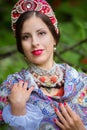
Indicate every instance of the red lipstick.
{"type": "Point", "coordinates": [37, 52]}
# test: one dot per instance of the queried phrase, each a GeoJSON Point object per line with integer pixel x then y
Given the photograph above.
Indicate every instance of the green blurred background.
{"type": "Point", "coordinates": [72, 47]}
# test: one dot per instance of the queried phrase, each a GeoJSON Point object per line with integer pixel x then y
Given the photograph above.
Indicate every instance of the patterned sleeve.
{"type": "Point", "coordinates": [30, 120]}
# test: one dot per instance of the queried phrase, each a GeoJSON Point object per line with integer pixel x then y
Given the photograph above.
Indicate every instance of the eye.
{"type": "Point", "coordinates": [25, 37]}
{"type": "Point", "coordinates": [42, 33]}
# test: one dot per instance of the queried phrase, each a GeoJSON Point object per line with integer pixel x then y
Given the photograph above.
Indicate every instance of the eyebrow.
{"type": "Point", "coordinates": [36, 31]}
{"type": "Point", "coordinates": [25, 33]}
{"type": "Point", "coordinates": [41, 29]}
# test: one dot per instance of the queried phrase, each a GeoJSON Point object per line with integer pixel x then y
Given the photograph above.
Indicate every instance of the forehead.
{"type": "Point", "coordinates": [34, 22]}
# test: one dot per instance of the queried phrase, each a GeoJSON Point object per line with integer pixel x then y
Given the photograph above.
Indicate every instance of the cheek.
{"type": "Point", "coordinates": [25, 47]}
{"type": "Point", "coordinates": [50, 45]}
{"type": "Point", "coordinates": [26, 50]}
{"type": "Point", "coordinates": [49, 48]}
{"type": "Point", "coordinates": [49, 42]}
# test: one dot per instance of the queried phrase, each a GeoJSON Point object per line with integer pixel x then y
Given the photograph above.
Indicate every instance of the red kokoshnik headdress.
{"type": "Point", "coordinates": [29, 5]}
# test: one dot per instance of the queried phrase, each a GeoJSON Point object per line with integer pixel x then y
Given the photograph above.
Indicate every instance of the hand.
{"type": "Point", "coordinates": [69, 120]}
{"type": "Point", "coordinates": [18, 97]}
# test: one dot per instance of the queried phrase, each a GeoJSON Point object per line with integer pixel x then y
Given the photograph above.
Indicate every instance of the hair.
{"type": "Point", "coordinates": [27, 15]}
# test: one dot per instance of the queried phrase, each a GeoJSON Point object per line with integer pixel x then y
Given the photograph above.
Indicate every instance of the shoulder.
{"type": "Point", "coordinates": [6, 85]}
{"type": "Point", "coordinates": [72, 72]}
{"type": "Point", "coordinates": [74, 79]}
{"type": "Point", "coordinates": [16, 76]}
{"type": "Point", "coordinates": [78, 81]}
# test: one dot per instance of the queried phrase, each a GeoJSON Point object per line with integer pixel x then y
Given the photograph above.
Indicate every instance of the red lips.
{"type": "Point", "coordinates": [37, 52]}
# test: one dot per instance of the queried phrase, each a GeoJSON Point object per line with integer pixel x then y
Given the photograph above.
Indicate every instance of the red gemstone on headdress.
{"type": "Point", "coordinates": [46, 9]}
{"type": "Point", "coordinates": [29, 5]}
{"type": "Point", "coordinates": [15, 14]}
{"type": "Point", "coordinates": [53, 19]}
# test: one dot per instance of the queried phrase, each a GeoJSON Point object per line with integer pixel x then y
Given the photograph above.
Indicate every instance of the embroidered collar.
{"type": "Point", "coordinates": [48, 78]}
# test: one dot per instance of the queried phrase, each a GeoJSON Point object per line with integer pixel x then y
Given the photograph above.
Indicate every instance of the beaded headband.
{"type": "Point", "coordinates": [32, 5]}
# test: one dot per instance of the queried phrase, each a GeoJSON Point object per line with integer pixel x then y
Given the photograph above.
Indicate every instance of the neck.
{"type": "Point", "coordinates": [40, 71]}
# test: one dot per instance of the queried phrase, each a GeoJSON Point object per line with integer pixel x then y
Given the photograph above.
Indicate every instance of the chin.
{"type": "Point", "coordinates": [39, 63]}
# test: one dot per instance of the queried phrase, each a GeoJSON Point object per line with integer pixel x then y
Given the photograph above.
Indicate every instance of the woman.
{"type": "Point", "coordinates": [46, 95]}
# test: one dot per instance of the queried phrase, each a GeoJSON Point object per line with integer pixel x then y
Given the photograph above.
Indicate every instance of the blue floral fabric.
{"type": "Point", "coordinates": [40, 113]}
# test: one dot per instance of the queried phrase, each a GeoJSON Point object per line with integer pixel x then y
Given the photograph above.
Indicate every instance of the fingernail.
{"type": "Point", "coordinates": [64, 103]}
{"type": "Point", "coordinates": [55, 109]}
{"type": "Point", "coordinates": [21, 81]}
{"type": "Point", "coordinates": [54, 120]}
{"type": "Point", "coordinates": [32, 87]}
{"type": "Point", "coordinates": [60, 104]}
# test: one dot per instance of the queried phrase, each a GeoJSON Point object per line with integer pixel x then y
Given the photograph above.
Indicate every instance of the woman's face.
{"type": "Point", "coordinates": [37, 42]}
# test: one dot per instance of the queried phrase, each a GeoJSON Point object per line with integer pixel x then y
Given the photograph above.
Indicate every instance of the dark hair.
{"type": "Point", "coordinates": [27, 15]}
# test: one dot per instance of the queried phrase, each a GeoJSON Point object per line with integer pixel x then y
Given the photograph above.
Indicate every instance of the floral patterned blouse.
{"type": "Point", "coordinates": [40, 113]}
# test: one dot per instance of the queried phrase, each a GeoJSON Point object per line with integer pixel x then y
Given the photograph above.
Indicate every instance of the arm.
{"type": "Point", "coordinates": [20, 113]}
{"type": "Point", "coordinates": [5, 89]}
{"type": "Point", "coordinates": [30, 120]}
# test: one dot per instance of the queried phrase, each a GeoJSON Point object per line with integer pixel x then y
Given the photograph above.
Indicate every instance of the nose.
{"type": "Point", "coordinates": [35, 40]}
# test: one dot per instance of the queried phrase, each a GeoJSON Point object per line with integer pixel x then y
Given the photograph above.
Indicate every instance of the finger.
{"type": "Point", "coordinates": [20, 84]}
{"type": "Point", "coordinates": [25, 85]}
{"type": "Point", "coordinates": [30, 89]}
{"type": "Point", "coordinates": [72, 114]}
{"type": "Point", "coordinates": [69, 110]}
{"type": "Point", "coordinates": [60, 116]}
{"type": "Point", "coordinates": [59, 124]}
{"type": "Point", "coordinates": [65, 113]}
{"type": "Point", "coordinates": [15, 85]}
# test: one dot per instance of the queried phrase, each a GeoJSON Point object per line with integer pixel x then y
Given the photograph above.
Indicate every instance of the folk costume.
{"type": "Point", "coordinates": [72, 85]}
{"type": "Point", "coordinates": [40, 108]}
